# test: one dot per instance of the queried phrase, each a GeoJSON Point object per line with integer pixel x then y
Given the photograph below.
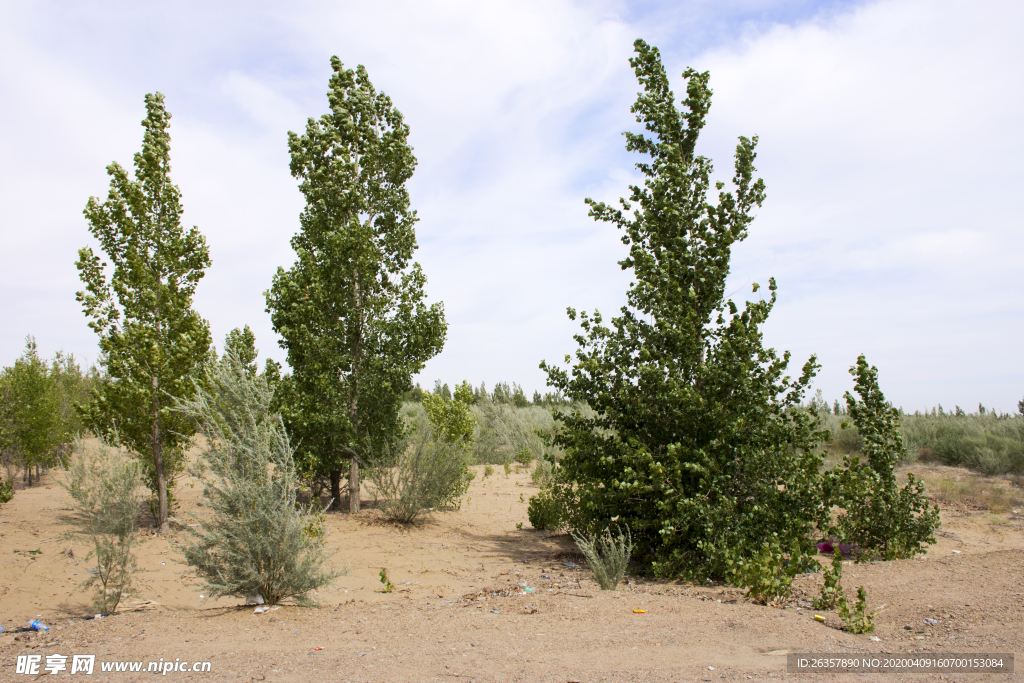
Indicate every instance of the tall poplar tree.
{"type": "Point", "coordinates": [351, 310]}
{"type": "Point", "coordinates": [152, 342]}
{"type": "Point", "coordinates": [696, 443]}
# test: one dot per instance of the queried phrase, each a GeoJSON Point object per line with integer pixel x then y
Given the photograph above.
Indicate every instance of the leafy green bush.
{"type": "Point", "coordinates": [546, 511]}
{"type": "Point", "coordinates": [106, 487]}
{"type": "Point", "coordinates": [832, 590]}
{"type": "Point", "coordinates": [607, 555]}
{"type": "Point", "coordinates": [882, 519]}
{"type": "Point", "coordinates": [857, 620]}
{"type": "Point", "coordinates": [451, 418]}
{"type": "Point", "coordinates": [6, 491]}
{"type": "Point", "coordinates": [258, 540]}
{"type": "Point", "coordinates": [524, 456]}
{"type": "Point", "coordinates": [768, 575]}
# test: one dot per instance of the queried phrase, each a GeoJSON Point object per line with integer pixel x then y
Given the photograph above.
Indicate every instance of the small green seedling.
{"type": "Point", "coordinates": [858, 620]}
{"type": "Point", "coordinates": [388, 586]}
{"type": "Point", "coordinates": [832, 591]}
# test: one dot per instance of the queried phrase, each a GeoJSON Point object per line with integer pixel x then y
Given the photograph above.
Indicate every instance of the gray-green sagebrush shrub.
{"type": "Point", "coordinates": [607, 554]}
{"type": "Point", "coordinates": [107, 488]}
{"type": "Point", "coordinates": [258, 540]}
{"type": "Point", "coordinates": [426, 474]}
{"type": "Point", "coordinates": [881, 518]}
{"type": "Point", "coordinates": [695, 439]}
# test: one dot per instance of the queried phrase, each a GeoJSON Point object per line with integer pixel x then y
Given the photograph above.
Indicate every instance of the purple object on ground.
{"type": "Point", "coordinates": [829, 547]}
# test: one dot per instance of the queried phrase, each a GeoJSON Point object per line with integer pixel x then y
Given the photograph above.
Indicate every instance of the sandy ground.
{"type": "Point", "coordinates": [461, 611]}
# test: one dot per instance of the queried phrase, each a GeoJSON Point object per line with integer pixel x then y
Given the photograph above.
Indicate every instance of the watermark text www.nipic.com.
{"type": "Point", "coordinates": [34, 665]}
{"type": "Point", "coordinates": [932, 663]}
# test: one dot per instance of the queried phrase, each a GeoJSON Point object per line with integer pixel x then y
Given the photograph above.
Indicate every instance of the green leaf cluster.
{"type": "Point", "coordinates": [832, 589]}
{"type": "Point", "coordinates": [768, 574]}
{"type": "Point", "coordinates": [857, 619]}
{"type": "Point", "coordinates": [451, 419]}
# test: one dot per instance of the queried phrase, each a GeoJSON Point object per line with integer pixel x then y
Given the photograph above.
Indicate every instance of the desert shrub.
{"type": "Point", "coordinates": [6, 491]}
{"type": "Point", "coordinates": [422, 475]}
{"type": "Point", "coordinates": [988, 443]}
{"type": "Point", "coordinates": [606, 554]}
{"type": "Point", "coordinates": [258, 540]}
{"type": "Point", "coordinates": [546, 511]}
{"type": "Point", "coordinates": [524, 456]}
{"type": "Point", "coordinates": [505, 430]}
{"type": "Point", "coordinates": [768, 574]}
{"type": "Point", "coordinates": [488, 470]}
{"type": "Point", "coordinates": [858, 619]}
{"type": "Point", "coordinates": [881, 518]}
{"type": "Point", "coordinates": [832, 590]}
{"type": "Point", "coordinates": [542, 472]}
{"type": "Point", "coordinates": [107, 488]}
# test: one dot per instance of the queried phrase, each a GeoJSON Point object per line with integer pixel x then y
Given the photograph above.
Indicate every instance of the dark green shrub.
{"type": "Point", "coordinates": [6, 491]}
{"type": "Point", "coordinates": [882, 519]}
{"type": "Point", "coordinates": [546, 511]}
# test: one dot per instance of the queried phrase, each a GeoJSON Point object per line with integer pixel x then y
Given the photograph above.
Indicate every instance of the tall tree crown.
{"type": "Point", "coordinates": [152, 342]}
{"type": "Point", "coordinates": [351, 311]}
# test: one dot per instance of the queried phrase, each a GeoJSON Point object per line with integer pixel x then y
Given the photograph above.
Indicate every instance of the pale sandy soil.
{"type": "Point", "coordinates": [459, 612]}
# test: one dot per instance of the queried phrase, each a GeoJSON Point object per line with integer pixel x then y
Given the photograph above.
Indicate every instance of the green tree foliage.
{"type": "Point", "coordinates": [351, 310]}
{"type": "Point", "coordinates": [152, 343]}
{"type": "Point", "coordinates": [35, 417]}
{"type": "Point", "coordinates": [257, 541]}
{"type": "Point", "coordinates": [880, 517]}
{"type": "Point", "coordinates": [451, 420]}
{"type": "Point", "coordinates": [242, 343]}
{"type": "Point", "coordinates": [106, 487]}
{"type": "Point", "coordinates": [696, 441]}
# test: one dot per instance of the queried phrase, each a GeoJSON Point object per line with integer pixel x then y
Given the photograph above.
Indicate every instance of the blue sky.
{"type": "Point", "coordinates": [890, 145]}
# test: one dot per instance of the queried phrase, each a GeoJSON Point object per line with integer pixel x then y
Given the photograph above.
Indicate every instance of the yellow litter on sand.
{"type": "Point", "coordinates": [639, 611]}
{"type": "Point", "coordinates": [818, 617]}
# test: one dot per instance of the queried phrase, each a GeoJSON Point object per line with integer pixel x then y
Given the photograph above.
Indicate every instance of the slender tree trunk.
{"type": "Point", "coordinates": [353, 485]}
{"type": "Point", "coordinates": [353, 467]}
{"type": "Point", "coordinates": [336, 489]}
{"type": "Point", "coordinates": [158, 462]}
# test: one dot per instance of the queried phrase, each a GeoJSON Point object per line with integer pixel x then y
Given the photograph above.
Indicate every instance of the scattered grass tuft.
{"type": "Point", "coordinates": [607, 555]}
